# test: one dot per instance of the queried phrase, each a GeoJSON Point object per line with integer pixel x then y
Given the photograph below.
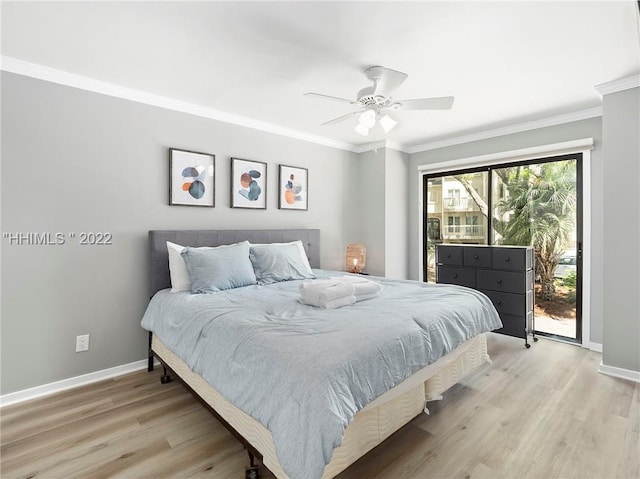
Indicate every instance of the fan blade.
{"type": "Point", "coordinates": [388, 81]}
{"type": "Point", "coordinates": [440, 103]}
{"type": "Point", "coordinates": [328, 97]}
{"type": "Point", "coordinates": [341, 118]}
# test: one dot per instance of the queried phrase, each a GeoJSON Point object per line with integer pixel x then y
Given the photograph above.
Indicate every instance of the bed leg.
{"type": "Point", "coordinates": [253, 471]}
{"type": "Point", "coordinates": [150, 358]}
{"type": "Point", "coordinates": [165, 378]}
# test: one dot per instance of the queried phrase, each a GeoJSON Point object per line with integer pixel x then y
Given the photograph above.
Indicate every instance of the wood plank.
{"type": "Point", "coordinates": [536, 413]}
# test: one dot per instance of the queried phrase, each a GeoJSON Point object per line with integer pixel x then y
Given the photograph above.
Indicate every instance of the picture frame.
{"type": "Point", "coordinates": [293, 188]}
{"type": "Point", "coordinates": [191, 178]}
{"type": "Point", "coordinates": [248, 184]}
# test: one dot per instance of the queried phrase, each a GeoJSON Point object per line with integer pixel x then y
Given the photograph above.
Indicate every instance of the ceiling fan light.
{"type": "Point", "coordinates": [367, 119]}
{"type": "Point", "coordinates": [363, 130]}
{"type": "Point", "coordinates": [387, 123]}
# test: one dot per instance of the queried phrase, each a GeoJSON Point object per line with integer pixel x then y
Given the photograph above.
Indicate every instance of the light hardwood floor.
{"type": "Point", "coordinates": [541, 413]}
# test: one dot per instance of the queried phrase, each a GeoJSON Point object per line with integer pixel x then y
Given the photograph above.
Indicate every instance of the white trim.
{"type": "Point", "coordinates": [567, 147]}
{"type": "Point", "coordinates": [619, 85]}
{"type": "Point", "coordinates": [370, 146]}
{"type": "Point", "coordinates": [586, 251]}
{"type": "Point", "coordinates": [20, 67]}
{"type": "Point", "coordinates": [619, 372]}
{"type": "Point", "coordinates": [508, 130]}
{"type": "Point", "coordinates": [420, 231]}
{"type": "Point", "coordinates": [595, 347]}
{"type": "Point", "coordinates": [584, 146]}
{"type": "Point", "coordinates": [394, 145]}
{"type": "Point", "coordinates": [70, 383]}
{"type": "Point", "coordinates": [41, 72]}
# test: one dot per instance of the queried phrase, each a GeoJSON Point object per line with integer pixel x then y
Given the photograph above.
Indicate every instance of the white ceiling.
{"type": "Point", "coordinates": [505, 62]}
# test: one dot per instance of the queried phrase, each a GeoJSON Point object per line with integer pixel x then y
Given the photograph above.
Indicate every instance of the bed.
{"type": "Point", "coordinates": [380, 405]}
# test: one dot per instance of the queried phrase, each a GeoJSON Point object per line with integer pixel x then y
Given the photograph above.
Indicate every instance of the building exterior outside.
{"type": "Point", "coordinates": [453, 216]}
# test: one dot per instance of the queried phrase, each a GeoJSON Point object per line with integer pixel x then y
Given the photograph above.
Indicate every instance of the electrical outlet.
{"type": "Point", "coordinates": [82, 343]}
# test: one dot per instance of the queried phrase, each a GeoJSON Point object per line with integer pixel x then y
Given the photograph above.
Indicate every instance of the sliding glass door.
{"type": "Point", "coordinates": [535, 203]}
{"type": "Point", "coordinates": [455, 212]}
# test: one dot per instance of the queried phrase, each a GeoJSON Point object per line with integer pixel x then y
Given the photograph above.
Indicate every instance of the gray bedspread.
{"type": "Point", "coordinates": [304, 372]}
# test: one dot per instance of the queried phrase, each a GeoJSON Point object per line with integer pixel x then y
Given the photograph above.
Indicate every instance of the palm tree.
{"type": "Point", "coordinates": [539, 209]}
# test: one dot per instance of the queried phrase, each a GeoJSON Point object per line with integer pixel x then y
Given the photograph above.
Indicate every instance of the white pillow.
{"type": "Point", "coordinates": [177, 269]}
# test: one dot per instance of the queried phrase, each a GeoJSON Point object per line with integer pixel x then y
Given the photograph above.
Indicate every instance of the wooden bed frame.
{"type": "Point", "coordinates": [370, 426]}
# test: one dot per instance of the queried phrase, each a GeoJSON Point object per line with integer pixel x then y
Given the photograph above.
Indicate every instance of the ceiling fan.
{"type": "Point", "coordinates": [376, 101]}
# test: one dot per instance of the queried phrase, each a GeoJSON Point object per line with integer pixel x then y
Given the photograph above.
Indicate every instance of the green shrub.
{"type": "Point", "coordinates": [571, 280]}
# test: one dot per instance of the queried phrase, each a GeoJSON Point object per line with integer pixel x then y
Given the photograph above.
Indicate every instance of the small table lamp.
{"type": "Point", "coordinates": [356, 257]}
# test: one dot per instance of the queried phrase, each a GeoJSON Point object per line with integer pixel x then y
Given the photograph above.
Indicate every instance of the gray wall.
{"type": "Point", "coordinates": [591, 128]}
{"type": "Point", "coordinates": [382, 222]}
{"type": "Point", "coordinates": [370, 183]}
{"type": "Point", "coordinates": [396, 214]}
{"type": "Point", "coordinates": [621, 152]}
{"type": "Point", "coordinates": [75, 161]}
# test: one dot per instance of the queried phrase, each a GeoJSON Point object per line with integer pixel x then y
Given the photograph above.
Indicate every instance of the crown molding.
{"type": "Point", "coordinates": [614, 86]}
{"type": "Point", "coordinates": [370, 146]}
{"type": "Point", "coordinates": [394, 145]}
{"type": "Point", "coordinates": [21, 67]}
{"type": "Point", "coordinates": [508, 130]}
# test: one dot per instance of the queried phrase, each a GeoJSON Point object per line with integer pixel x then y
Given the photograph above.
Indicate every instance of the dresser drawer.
{"type": "Point", "coordinates": [451, 255]}
{"type": "Point", "coordinates": [510, 303]}
{"type": "Point", "coordinates": [453, 275]}
{"type": "Point", "coordinates": [505, 281]}
{"type": "Point", "coordinates": [512, 258]}
{"type": "Point", "coordinates": [514, 325]}
{"type": "Point", "coordinates": [478, 257]}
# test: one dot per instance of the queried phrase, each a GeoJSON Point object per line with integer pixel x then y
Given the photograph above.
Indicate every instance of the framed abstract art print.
{"type": "Point", "coordinates": [191, 178]}
{"type": "Point", "coordinates": [293, 188]}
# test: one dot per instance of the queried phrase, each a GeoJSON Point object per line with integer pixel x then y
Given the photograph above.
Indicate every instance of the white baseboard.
{"type": "Point", "coordinates": [597, 347]}
{"type": "Point", "coordinates": [619, 372]}
{"type": "Point", "coordinates": [70, 383]}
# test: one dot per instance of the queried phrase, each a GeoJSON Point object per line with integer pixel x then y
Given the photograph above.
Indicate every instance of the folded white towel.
{"type": "Point", "coordinates": [323, 292]}
{"type": "Point", "coordinates": [320, 292]}
{"type": "Point", "coordinates": [327, 293]}
{"type": "Point", "coordinates": [352, 278]}
{"type": "Point", "coordinates": [365, 297]}
{"type": "Point", "coordinates": [337, 303]}
{"type": "Point", "coordinates": [361, 285]}
{"type": "Point", "coordinates": [368, 287]}
{"type": "Point", "coordinates": [317, 283]}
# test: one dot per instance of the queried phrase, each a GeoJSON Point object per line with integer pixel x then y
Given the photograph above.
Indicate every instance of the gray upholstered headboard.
{"type": "Point", "coordinates": [160, 278]}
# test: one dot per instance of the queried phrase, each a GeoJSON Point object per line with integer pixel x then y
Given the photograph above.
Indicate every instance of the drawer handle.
{"type": "Point", "coordinates": [475, 257]}
{"type": "Point", "coordinates": [498, 302]}
{"type": "Point", "coordinates": [507, 259]}
{"type": "Point", "coordinates": [455, 275]}
{"type": "Point", "coordinates": [499, 281]}
{"type": "Point", "coordinates": [449, 255]}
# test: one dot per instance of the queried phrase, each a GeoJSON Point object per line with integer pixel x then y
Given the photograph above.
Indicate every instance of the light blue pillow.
{"type": "Point", "coordinates": [280, 262]}
{"type": "Point", "coordinates": [220, 268]}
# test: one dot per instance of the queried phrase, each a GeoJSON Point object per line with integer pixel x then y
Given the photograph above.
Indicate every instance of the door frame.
{"type": "Point", "coordinates": [583, 146]}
